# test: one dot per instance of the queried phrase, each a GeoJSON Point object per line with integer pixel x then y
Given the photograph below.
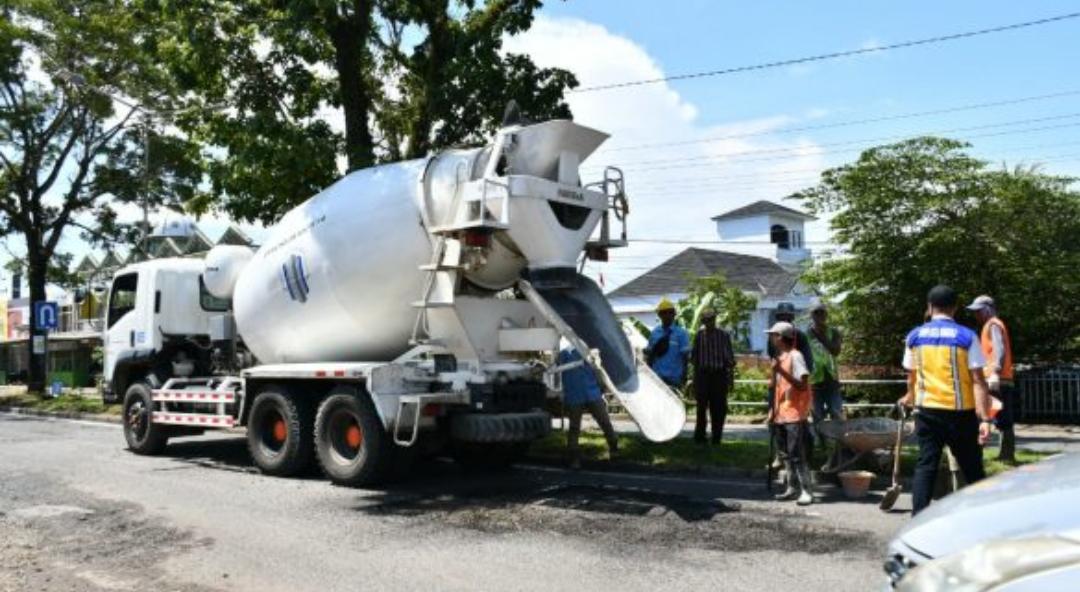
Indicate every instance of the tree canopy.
{"type": "Point", "coordinates": [921, 212]}
{"type": "Point", "coordinates": [70, 154]}
{"type": "Point", "coordinates": [263, 79]}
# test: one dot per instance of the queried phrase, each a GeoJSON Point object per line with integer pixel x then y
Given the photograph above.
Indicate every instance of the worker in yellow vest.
{"type": "Point", "coordinates": [997, 348]}
{"type": "Point", "coordinates": [944, 360]}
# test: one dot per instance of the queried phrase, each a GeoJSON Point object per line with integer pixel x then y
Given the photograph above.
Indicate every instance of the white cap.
{"type": "Point", "coordinates": [982, 302]}
{"type": "Point", "coordinates": [783, 329]}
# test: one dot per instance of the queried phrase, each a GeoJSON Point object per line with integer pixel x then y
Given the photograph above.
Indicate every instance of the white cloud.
{"type": "Point", "coordinates": [675, 199]}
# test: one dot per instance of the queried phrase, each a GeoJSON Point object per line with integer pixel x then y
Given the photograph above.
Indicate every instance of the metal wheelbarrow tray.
{"type": "Point", "coordinates": [862, 436]}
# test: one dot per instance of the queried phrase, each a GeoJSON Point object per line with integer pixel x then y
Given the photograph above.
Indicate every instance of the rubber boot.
{"type": "Point", "coordinates": [613, 449]}
{"type": "Point", "coordinates": [806, 496]}
{"type": "Point", "coordinates": [1007, 452]}
{"type": "Point", "coordinates": [790, 491]}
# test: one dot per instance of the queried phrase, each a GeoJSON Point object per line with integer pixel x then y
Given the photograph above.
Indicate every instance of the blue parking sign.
{"type": "Point", "coordinates": [46, 315]}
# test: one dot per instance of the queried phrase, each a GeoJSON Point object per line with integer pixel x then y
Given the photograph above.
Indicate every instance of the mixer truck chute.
{"type": "Point", "coordinates": [420, 302]}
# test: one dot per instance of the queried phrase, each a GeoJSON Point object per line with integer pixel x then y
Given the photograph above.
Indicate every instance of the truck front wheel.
{"type": "Point", "coordinates": [352, 446]}
{"type": "Point", "coordinates": [142, 434]}
{"type": "Point", "coordinates": [279, 433]}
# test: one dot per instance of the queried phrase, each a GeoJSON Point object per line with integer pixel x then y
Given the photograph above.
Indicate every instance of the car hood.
{"type": "Point", "coordinates": [1034, 499]}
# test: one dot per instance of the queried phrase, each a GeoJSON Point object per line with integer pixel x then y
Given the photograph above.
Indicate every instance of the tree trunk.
{"type": "Point", "coordinates": [433, 74]}
{"type": "Point", "coordinates": [350, 38]}
{"type": "Point", "coordinates": [36, 270]}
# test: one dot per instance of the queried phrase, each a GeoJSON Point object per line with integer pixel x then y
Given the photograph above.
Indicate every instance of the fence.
{"type": "Point", "coordinates": [760, 404]}
{"type": "Point", "coordinates": [1049, 395]}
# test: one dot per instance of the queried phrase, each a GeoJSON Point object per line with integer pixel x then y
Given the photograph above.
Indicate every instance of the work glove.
{"type": "Point", "coordinates": [994, 383]}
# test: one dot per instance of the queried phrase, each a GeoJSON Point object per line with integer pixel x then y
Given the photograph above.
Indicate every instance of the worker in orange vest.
{"type": "Point", "coordinates": [997, 349]}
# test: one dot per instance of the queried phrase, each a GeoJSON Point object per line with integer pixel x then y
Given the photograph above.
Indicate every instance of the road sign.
{"type": "Point", "coordinates": [46, 315]}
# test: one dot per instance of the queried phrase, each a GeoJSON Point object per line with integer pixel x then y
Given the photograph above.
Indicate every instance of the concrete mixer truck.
{"type": "Point", "coordinates": [411, 303]}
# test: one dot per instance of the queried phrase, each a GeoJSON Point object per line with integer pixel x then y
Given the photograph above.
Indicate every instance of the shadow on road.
{"type": "Point", "coordinates": [224, 454]}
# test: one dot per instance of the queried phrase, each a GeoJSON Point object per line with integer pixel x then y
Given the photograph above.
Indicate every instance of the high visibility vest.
{"type": "Point", "coordinates": [824, 361]}
{"type": "Point", "coordinates": [939, 353]}
{"type": "Point", "coordinates": [988, 349]}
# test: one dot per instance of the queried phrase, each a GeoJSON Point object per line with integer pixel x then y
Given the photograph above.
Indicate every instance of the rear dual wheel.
{"type": "Point", "coordinates": [280, 432]}
{"type": "Point", "coordinates": [352, 447]}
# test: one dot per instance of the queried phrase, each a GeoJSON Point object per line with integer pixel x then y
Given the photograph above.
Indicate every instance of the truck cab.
{"type": "Point", "coordinates": [158, 323]}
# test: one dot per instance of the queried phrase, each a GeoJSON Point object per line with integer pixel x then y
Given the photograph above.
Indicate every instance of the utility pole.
{"type": "Point", "coordinates": [146, 180]}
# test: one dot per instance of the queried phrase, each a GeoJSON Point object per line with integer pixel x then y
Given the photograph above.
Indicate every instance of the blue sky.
{"type": "Point", "coordinates": [695, 35]}
{"type": "Point", "coordinates": [618, 41]}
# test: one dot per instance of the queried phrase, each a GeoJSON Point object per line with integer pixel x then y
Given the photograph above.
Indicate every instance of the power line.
{"type": "Point", "coordinates": [874, 140]}
{"type": "Point", "coordinates": [849, 123]}
{"type": "Point", "coordinates": [832, 55]}
{"type": "Point", "coordinates": [719, 182]}
{"type": "Point", "coordinates": [711, 160]}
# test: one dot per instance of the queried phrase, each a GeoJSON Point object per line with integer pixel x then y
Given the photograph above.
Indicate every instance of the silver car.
{"type": "Point", "coordinates": [1009, 532]}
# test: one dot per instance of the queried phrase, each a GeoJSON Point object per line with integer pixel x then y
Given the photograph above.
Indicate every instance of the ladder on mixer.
{"type": "Point", "coordinates": [420, 332]}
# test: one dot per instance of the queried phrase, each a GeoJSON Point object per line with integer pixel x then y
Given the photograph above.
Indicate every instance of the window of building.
{"type": "Point", "coordinates": [779, 236]}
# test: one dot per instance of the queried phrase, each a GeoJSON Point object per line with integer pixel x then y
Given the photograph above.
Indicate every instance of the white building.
{"type": "Point", "coordinates": [764, 258]}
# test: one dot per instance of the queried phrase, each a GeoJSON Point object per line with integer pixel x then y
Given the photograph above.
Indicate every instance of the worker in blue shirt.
{"type": "Point", "coordinates": [581, 391]}
{"type": "Point", "coordinates": [669, 346]}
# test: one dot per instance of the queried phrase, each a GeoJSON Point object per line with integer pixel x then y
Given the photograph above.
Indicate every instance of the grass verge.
{"type": "Point", "coordinates": [678, 454]}
{"type": "Point", "coordinates": [63, 403]}
{"type": "Point", "coordinates": [685, 455]}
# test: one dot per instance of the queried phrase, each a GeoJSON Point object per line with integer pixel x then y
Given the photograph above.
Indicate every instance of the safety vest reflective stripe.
{"type": "Point", "coordinates": [987, 341]}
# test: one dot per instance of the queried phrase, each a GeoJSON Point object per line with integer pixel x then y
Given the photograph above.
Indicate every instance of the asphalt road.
{"type": "Point", "coordinates": [79, 512]}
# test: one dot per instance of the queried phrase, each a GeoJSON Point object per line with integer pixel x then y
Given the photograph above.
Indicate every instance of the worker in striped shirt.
{"type": "Point", "coordinates": [714, 374]}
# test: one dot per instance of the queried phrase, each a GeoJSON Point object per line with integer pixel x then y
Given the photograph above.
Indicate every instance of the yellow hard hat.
{"type": "Point", "coordinates": [665, 304]}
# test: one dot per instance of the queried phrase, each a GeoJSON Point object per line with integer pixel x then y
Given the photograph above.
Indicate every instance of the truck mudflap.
{"type": "Point", "coordinates": [577, 309]}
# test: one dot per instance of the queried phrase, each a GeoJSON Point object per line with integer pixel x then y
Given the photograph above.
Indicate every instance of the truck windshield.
{"type": "Point", "coordinates": [122, 296]}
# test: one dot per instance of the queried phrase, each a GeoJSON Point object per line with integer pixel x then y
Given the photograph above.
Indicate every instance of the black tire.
{"type": "Point", "coordinates": [142, 434]}
{"type": "Point", "coordinates": [500, 427]}
{"type": "Point", "coordinates": [353, 448]}
{"type": "Point", "coordinates": [279, 432]}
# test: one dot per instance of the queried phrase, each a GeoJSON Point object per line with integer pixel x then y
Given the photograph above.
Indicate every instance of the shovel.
{"type": "Point", "coordinates": [893, 493]}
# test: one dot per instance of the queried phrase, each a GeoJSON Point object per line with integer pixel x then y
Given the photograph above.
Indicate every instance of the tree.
{"type": "Point", "coordinates": [921, 212]}
{"type": "Point", "coordinates": [733, 306]}
{"type": "Point", "coordinates": [67, 148]}
{"type": "Point", "coordinates": [406, 76]}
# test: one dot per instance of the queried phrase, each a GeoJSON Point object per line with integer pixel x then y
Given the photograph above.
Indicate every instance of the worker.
{"type": "Point", "coordinates": [669, 346]}
{"type": "Point", "coordinates": [790, 412]}
{"type": "Point", "coordinates": [944, 362]}
{"type": "Point", "coordinates": [997, 348]}
{"type": "Point", "coordinates": [825, 345]}
{"type": "Point", "coordinates": [785, 313]}
{"type": "Point", "coordinates": [581, 392]}
{"type": "Point", "coordinates": [714, 375]}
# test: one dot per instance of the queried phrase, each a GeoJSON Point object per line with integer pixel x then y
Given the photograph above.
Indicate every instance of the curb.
{"type": "Point", "coordinates": [97, 417]}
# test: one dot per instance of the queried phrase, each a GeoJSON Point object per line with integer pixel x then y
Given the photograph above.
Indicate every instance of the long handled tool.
{"type": "Point", "coordinates": [893, 493]}
{"type": "Point", "coordinates": [770, 473]}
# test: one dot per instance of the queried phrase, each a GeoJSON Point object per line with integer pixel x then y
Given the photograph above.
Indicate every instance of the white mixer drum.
{"type": "Point", "coordinates": [335, 279]}
{"type": "Point", "coordinates": [222, 267]}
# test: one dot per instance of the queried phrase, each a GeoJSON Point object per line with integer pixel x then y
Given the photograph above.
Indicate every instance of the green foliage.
{"type": "Point", "coordinates": [68, 151]}
{"type": "Point", "coordinates": [407, 76]}
{"type": "Point", "coordinates": [921, 212]}
{"type": "Point", "coordinates": [733, 306]}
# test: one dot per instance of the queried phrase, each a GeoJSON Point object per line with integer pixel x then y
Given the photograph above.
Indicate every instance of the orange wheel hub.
{"type": "Point", "coordinates": [353, 436]}
{"type": "Point", "coordinates": [279, 431]}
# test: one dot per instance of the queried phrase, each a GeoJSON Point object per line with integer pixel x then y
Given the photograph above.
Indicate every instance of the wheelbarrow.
{"type": "Point", "coordinates": [860, 437]}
